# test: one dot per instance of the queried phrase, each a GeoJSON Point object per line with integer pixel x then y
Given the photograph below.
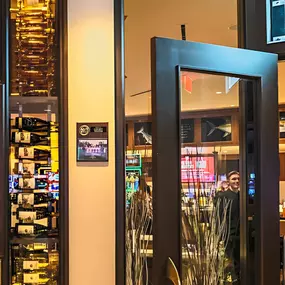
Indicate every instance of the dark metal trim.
{"type": "Point", "coordinates": [62, 92]}
{"type": "Point", "coordinates": [247, 88]}
{"type": "Point", "coordinates": [4, 185]}
{"type": "Point", "coordinates": [120, 133]}
{"type": "Point", "coordinates": [241, 23]}
{"type": "Point", "coordinates": [166, 56]}
{"type": "Point", "coordinates": [5, 137]}
{"type": "Point", "coordinates": [255, 30]}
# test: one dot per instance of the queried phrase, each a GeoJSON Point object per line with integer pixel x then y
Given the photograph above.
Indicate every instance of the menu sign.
{"type": "Point", "coordinates": [92, 142]}
{"type": "Point", "coordinates": [187, 131]}
{"type": "Point", "coordinates": [197, 169]}
{"type": "Point", "coordinates": [133, 160]}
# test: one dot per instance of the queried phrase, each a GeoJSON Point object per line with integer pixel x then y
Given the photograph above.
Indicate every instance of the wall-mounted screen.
{"type": "Point", "coordinates": [197, 169]}
{"type": "Point", "coordinates": [92, 142]}
{"type": "Point", "coordinates": [275, 21]}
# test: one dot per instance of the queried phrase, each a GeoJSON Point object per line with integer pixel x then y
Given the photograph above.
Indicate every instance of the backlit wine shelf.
{"type": "Point", "coordinates": [34, 160]}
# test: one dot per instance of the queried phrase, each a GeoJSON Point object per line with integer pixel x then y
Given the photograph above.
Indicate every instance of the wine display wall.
{"type": "Point", "coordinates": [34, 52]}
{"type": "Point", "coordinates": [34, 187]}
{"type": "Point", "coordinates": [34, 193]}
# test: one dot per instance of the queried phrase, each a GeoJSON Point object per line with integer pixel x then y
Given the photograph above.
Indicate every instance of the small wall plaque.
{"type": "Point", "coordinates": [92, 142]}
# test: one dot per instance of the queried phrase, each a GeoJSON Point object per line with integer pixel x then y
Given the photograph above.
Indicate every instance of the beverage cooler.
{"type": "Point", "coordinates": [33, 172]}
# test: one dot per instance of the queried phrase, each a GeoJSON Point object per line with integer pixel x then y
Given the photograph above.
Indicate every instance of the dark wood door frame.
{"type": "Point", "coordinates": [168, 57]}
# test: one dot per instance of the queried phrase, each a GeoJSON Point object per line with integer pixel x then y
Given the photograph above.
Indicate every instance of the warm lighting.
{"type": "Point", "coordinates": [219, 92]}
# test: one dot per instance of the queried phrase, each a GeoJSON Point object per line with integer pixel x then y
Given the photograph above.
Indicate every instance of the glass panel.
{"type": "Point", "coordinates": [34, 159]}
{"type": "Point", "coordinates": [139, 250]}
{"type": "Point", "coordinates": [210, 178]}
{"type": "Point", "coordinates": [177, 20]}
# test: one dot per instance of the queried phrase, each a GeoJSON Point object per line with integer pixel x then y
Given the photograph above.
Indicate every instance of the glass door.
{"type": "Point", "coordinates": [215, 165]}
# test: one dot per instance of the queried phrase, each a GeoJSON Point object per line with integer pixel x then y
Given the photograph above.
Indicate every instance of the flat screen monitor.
{"type": "Point", "coordinates": [275, 21]}
{"type": "Point", "coordinates": [197, 169]}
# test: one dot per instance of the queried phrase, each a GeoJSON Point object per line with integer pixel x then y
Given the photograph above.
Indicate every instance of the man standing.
{"type": "Point", "coordinates": [233, 247]}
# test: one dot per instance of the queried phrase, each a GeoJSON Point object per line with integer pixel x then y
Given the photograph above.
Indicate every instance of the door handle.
{"type": "Point", "coordinates": [172, 272]}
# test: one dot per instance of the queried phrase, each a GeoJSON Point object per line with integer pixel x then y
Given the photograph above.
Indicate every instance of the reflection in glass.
{"type": "Point", "coordinates": [210, 181]}
{"type": "Point", "coordinates": [139, 211]}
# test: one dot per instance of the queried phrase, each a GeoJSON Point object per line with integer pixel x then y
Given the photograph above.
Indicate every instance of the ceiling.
{"type": "Point", "coordinates": [206, 21]}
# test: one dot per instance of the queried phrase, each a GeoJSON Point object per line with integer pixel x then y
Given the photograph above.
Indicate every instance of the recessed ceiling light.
{"type": "Point", "coordinates": [219, 92]}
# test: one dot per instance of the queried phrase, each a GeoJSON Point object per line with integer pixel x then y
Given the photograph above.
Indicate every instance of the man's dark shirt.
{"type": "Point", "coordinates": [234, 209]}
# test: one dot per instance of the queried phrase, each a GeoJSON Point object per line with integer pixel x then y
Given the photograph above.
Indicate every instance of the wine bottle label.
{"type": "Point", "coordinates": [26, 152]}
{"type": "Point", "coordinates": [53, 258]}
{"type": "Point", "coordinates": [54, 222]}
{"type": "Point", "coordinates": [25, 230]}
{"type": "Point", "coordinates": [21, 137]}
{"type": "Point", "coordinates": [27, 183]}
{"type": "Point", "coordinates": [26, 199]}
{"type": "Point", "coordinates": [31, 278]}
{"type": "Point", "coordinates": [27, 217]}
{"type": "Point", "coordinates": [40, 246]}
{"type": "Point", "coordinates": [26, 168]}
{"type": "Point", "coordinates": [30, 264]}
{"type": "Point", "coordinates": [20, 123]}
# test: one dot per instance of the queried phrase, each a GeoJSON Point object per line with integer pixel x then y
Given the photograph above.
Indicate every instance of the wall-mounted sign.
{"type": "Point", "coordinates": [133, 160]}
{"type": "Point", "coordinates": [187, 131]}
{"type": "Point", "coordinates": [92, 142]}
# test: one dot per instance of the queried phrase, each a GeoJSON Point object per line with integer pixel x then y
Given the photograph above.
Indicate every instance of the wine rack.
{"type": "Point", "coordinates": [34, 51]}
{"type": "Point", "coordinates": [34, 188]}
{"type": "Point", "coordinates": [34, 199]}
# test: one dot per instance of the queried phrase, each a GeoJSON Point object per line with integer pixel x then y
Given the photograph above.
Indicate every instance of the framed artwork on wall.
{"type": "Point", "coordinates": [216, 129]}
{"type": "Point", "coordinates": [143, 133]}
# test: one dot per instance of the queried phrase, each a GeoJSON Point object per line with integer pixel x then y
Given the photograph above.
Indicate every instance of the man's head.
{"type": "Point", "coordinates": [233, 178]}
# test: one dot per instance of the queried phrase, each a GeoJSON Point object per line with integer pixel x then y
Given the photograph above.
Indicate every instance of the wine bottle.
{"type": "Point", "coordinates": [36, 93]}
{"type": "Point", "coordinates": [36, 247]}
{"type": "Point", "coordinates": [32, 153]}
{"type": "Point", "coordinates": [32, 183]}
{"type": "Point", "coordinates": [30, 229]}
{"type": "Point", "coordinates": [29, 200]}
{"type": "Point", "coordinates": [33, 73]}
{"type": "Point", "coordinates": [28, 216]}
{"type": "Point", "coordinates": [24, 14]}
{"type": "Point", "coordinates": [30, 138]}
{"type": "Point", "coordinates": [31, 42]}
{"type": "Point", "coordinates": [29, 29]}
{"type": "Point", "coordinates": [36, 278]}
{"type": "Point", "coordinates": [31, 278]}
{"type": "Point", "coordinates": [26, 168]}
{"type": "Point", "coordinates": [25, 200]}
{"type": "Point", "coordinates": [32, 124]}
{"type": "Point", "coordinates": [31, 264]}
